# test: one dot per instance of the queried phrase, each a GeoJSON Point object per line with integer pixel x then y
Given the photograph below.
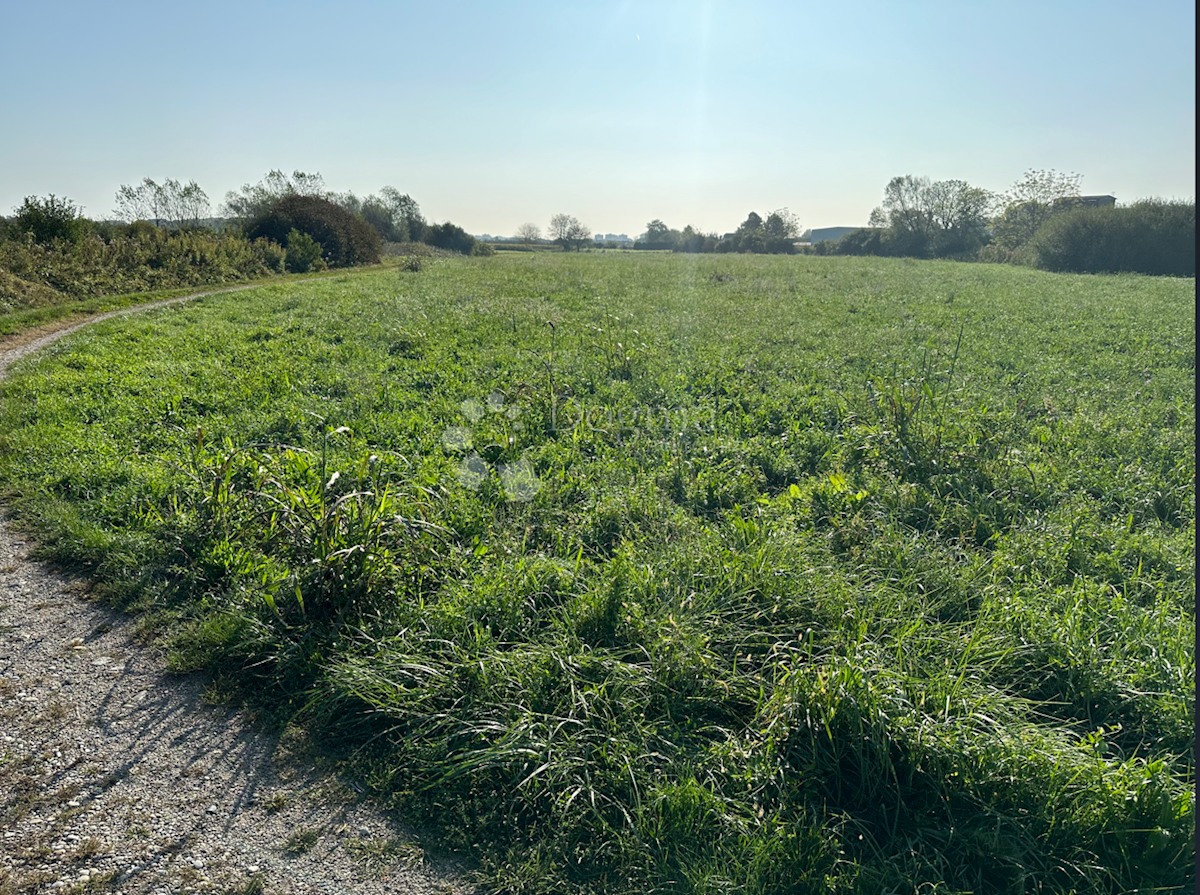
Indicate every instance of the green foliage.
{"type": "Point", "coordinates": [144, 258]}
{"type": "Point", "coordinates": [303, 252]}
{"type": "Point", "coordinates": [169, 204]}
{"type": "Point", "coordinates": [344, 239]}
{"type": "Point", "coordinates": [450, 237]}
{"type": "Point", "coordinates": [49, 220]}
{"type": "Point", "coordinates": [844, 575]}
{"type": "Point", "coordinates": [1151, 237]}
{"type": "Point", "coordinates": [255, 201]}
{"type": "Point", "coordinates": [926, 219]}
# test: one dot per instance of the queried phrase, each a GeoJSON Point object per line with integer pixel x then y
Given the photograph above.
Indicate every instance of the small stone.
{"type": "Point", "coordinates": [253, 868]}
{"type": "Point", "coordinates": [211, 809]}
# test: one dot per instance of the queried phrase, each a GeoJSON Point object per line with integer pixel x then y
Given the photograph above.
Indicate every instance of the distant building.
{"type": "Point", "coordinates": [612, 237]}
{"type": "Point", "coordinates": [1086, 202]}
{"type": "Point", "coordinates": [827, 233]}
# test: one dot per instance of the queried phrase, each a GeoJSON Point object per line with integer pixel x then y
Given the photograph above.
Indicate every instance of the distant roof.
{"type": "Point", "coordinates": [1087, 201]}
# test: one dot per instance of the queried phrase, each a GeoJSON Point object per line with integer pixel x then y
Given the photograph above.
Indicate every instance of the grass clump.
{"type": "Point", "coordinates": [631, 574]}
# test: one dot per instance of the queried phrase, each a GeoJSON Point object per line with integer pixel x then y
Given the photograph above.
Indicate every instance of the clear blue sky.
{"type": "Point", "coordinates": [491, 114]}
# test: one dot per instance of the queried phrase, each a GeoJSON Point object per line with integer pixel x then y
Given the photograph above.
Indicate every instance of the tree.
{"type": "Point", "coordinates": [692, 240]}
{"type": "Point", "coordinates": [932, 219]}
{"type": "Point", "coordinates": [1029, 203]}
{"type": "Point", "coordinates": [568, 231]}
{"type": "Point", "coordinates": [656, 232]}
{"type": "Point", "coordinates": [780, 231]}
{"type": "Point", "coordinates": [254, 200]}
{"type": "Point", "coordinates": [344, 238]}
{"type": "Point", "coordinates": [407, 222]}
{"type": "Point", "coordinates": [169, 204]}
{"type": "Point", "coordinates": [50, 219]}
{"type": "Point", "coordinates": [528, 233]}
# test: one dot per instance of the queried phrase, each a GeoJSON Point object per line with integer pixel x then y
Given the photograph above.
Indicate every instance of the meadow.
{"type": "Point", "coordinates": [671, 573]}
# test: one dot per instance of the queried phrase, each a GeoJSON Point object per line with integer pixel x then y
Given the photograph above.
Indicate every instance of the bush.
{"type": "Point", "coordinates": [451, 237]}
{"type": "Point", "coordinates": [1152, 236]}
{"type": "Point", "coordinates": [344, 238]}
{"type": "Point", "coordinates": [867, 241]}
{"type": "Point", "coordinates": [274, 256]}
{"type": "Point", "coordinates": [303, 252]}
{"type": "Point", "coordinates": [145, 258]}
{"type": "Point", "coordinates": [50, 219]}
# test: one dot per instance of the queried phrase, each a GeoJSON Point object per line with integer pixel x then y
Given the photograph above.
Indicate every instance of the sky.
{"type": "Point", "coordinates": [494, 114]}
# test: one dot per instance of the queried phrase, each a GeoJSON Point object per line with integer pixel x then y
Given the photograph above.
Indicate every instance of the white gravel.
{"type": "Point", "coordinates": [116, 776]}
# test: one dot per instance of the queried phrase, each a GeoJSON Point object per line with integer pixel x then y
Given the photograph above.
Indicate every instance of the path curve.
{"type": "Point", "coordinates": [118, 776]}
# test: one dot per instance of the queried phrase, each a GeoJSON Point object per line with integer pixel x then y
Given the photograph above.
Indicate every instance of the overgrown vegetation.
{"type": "Point", "coordinates": [344, 239]}
{"type": "Point", "coordinates": [1151, 236]}
{"type": "Point", "coordinates": [1041, 221]}
{"type": "Point", "coordinates": [51, 255]}
{"type": "Point", "coordinates": [136, 258]}
{"type": "Point", "coordinates": [661, 573]}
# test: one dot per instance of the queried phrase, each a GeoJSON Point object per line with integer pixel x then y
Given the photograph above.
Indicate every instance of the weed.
{"type": "Point", "coordinates": [301, 840]}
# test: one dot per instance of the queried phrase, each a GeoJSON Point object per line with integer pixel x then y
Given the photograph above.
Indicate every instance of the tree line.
{"type": "Point", "coordinates": [1042, 221]}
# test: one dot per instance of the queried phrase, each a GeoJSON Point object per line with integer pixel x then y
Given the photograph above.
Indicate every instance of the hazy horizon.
{"type": "Point", "coordinates": [490, 116]}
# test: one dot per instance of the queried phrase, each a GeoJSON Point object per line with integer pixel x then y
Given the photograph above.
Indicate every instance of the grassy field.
{"type": "Point", "coordinates": [674, 574]}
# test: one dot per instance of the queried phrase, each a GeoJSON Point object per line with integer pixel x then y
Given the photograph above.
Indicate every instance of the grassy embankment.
{"type": "Point", "coordinates": [636, 574]}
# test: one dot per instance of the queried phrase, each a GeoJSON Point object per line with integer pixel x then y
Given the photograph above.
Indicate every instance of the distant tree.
{"type": "Point", "coordinates": [932, 219]}
{"type": "Point", "coordinates": [749, 236]}
{"type": "Point", "coordinates": [344, 238]}
{"type": "Point", "coordinates": [347, 200]}
{"type": "Point", "coordinates": [692, 240]}
{"type": "Point", "coordinates": [781, 229]}
{"type": "Point", "coordinates": [656, 232]}
{"type": "Point", "coordinates": [528, 233]}
{"type": "Point", "coordinates": [1029, 203]}
{"type": "Point", "coordinates": [450, 237]}
{"type": "Point", "coordinates": [568, 232]}
{"type": "Point", "coordinates": [50, 219]}
{"type": "Point", "coordinates": [407, 221]}
{"type": "Point", "coordinates": [166, 204]}
{"type": "Point", "coordinates": [253, 201]}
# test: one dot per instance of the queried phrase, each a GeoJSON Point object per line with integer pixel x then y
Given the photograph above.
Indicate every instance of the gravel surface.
{"type": "Point", "coordinates": [116, 776]}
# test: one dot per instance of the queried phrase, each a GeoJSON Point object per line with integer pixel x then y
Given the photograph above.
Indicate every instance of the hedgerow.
{"type": "Point", "coordinates": [142, 259]}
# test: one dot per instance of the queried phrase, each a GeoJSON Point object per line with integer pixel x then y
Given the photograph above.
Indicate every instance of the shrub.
{"type": "Point", "coordinates": [344, 238]}
{"type": "Point", "coordinates": [143, 259]}
{"type": "Point", "coordinates": [867, 241]}
{"type": "Point", "coordinates": [274, 256]}
{"type": "Point", "coordinates": [1152, 236]}
{"type": "Point", "coordinates": [450, 236]}
{"type": "Point", "coordinates": [50, 219]}
{"type": "Point", "coordinates": [303, 252]}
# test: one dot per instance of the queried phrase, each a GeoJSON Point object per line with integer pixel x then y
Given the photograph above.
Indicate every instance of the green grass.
{"type": "Point", "coordinates": [764, 574]}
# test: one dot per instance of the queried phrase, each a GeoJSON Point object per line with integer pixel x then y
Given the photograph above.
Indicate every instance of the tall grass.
{"type": "Point", "coordinates": [840, 574]}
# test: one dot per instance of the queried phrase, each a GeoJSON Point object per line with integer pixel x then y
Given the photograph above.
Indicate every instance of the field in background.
{"type": "Point", "coordinates": [674, 573]}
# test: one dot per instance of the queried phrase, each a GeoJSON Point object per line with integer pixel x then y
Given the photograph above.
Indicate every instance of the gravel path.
{"type": "Point", "coordinates": [116, 776]}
